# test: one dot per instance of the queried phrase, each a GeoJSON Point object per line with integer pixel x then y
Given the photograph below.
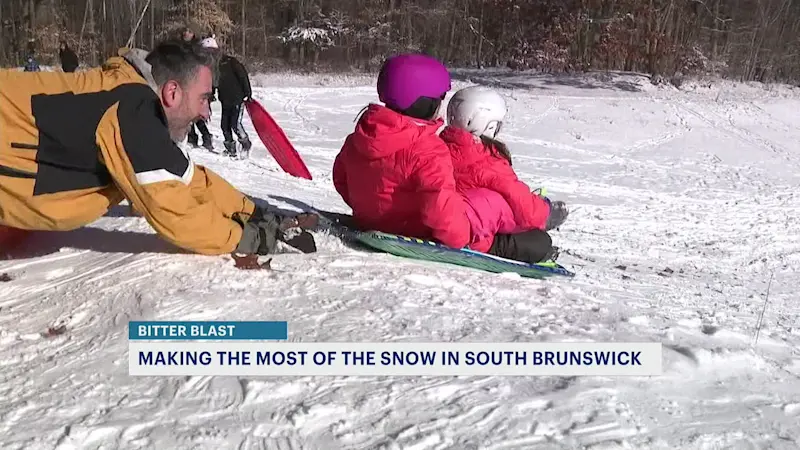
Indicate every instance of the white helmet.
{"type": "Point", "coordinates": [209, 42]}
{"type": "Point", "coordinates": [477, 109]}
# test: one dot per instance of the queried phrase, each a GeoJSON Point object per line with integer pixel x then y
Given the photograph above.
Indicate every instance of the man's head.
{"type": "Point", "coordinates": [183, 74]}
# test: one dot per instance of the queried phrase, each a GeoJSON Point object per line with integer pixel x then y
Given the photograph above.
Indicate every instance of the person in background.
{"type": "Point", "coordinates": [188, 35]}
{"type": "Point", "coordinates": [233, 91]}
{"type": "Point", "coordinates": [31, 65]}
{"type": "Point", "coordinates": [68, 58]}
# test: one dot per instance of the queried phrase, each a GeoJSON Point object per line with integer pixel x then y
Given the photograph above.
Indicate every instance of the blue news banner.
{"type": "Point", "coordinates": [250, 348]}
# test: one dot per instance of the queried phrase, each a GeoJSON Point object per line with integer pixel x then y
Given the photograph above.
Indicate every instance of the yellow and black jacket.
{"type": "Point", "coordinates": [74, 144]}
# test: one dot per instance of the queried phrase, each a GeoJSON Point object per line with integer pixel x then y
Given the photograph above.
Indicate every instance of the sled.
{"type": "Point", "coordinates": [276, 141]}
{"type": "Point", "coordinates": [425, 250]}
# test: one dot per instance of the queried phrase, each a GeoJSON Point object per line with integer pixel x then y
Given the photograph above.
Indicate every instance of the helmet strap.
{"type": "Point", "coordinates": [497, 125]}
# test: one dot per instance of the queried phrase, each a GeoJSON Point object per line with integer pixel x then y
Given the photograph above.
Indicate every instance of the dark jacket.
{"type": "Point", "coordinates": [69, 60]}
{"type": "Point", "coordinates": [234, 83]}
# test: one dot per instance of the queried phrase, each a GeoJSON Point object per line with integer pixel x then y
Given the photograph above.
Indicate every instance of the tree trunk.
{"type": "Point", "coordinates": [93, 41]}
{"type": "Point", "coordinates": [31, 18]}
{"type": "Point", "coordinates": [152, 27]}
{"type": "Point", "coordinates": [3, 42]}
{"type": "Point", "coordinates": [451, 41]}
{"type": "Point", "coordinates": [479, 56]}
{"type": "Point", "coordinates": [264, 29]}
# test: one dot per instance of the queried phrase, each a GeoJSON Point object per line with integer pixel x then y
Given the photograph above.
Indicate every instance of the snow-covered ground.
{"type": "Point", "coordinates": [684, 202]}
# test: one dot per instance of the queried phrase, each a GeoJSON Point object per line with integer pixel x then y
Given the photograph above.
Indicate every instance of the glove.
{"type": "Point", "coordinates": [558, 214]}
{"type": "Point", "coordinates": [262, 231]}
{"type": "Point", "coordinates": [259, 233]}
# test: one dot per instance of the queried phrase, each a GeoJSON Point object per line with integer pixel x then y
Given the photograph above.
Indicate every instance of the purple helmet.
{"type": "Point", "coordinates": [406, 78]}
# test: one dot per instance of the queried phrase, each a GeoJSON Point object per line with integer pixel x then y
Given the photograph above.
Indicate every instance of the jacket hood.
{"type": "Point", "coordinates": [465, 148]}
{"type": "Point", "coordinates": [136, 58]}
{"type": "Point", "coordinates": [381, 131]}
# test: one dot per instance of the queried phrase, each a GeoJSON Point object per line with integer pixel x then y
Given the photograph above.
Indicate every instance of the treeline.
{"type": "Point", "coordinates": [739, 39]}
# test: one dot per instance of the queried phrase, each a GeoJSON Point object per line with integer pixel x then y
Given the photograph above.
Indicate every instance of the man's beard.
{"type": "Point", "coordinates": [178, 133]}
{"type": "Point", "coordinates": [179, 129]}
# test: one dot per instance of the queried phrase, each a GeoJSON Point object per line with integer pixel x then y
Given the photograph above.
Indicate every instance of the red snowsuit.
{"type": "Point", "coordinates": [515, 209]}
{"type": "Point", "coordinates": [396, 175]}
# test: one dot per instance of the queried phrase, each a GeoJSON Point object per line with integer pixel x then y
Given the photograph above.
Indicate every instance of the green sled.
{"type": "Point", "coordinates": [424, 250]}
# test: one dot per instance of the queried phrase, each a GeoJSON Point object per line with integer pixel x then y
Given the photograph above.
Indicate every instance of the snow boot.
{"type": "Point", "coordinates": [230, 149]}
{"type": "Point", "coordinates": [552, 255]}
{"type": "Point", "coordinates": [246, 145]}
{"type": "Point", "coordinates": [558, 214]}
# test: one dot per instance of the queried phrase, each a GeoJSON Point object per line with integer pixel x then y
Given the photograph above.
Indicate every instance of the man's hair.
{"type": "Point", "coordinates": [178, 60]}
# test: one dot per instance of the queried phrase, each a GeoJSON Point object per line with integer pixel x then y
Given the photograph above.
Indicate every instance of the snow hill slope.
{"type": "Point", "coordinates": [685, 204]}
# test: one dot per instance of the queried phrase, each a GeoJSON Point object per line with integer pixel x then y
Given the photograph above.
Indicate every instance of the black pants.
{"type": "Point", "coordinates": [201, 126]}
{"type": "Point", "coordinates": [531, 246]}
{"type": "Point", "coordinates": [232, 123]}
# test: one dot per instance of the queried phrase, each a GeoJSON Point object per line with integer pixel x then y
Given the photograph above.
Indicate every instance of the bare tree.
{"type": "Point", "coordinates": [744, 39]}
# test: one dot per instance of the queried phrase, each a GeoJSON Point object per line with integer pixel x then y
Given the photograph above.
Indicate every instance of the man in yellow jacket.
{"type": "Point", "coordinates": [74, 144]}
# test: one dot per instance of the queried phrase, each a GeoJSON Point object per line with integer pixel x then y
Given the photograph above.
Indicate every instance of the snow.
{"type": "Point", "coordinates": [684, 205]}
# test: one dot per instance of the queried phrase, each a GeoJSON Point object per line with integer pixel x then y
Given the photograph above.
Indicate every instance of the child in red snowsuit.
{"type": "Point", "coordinates": [394, 171]}
{"type": "Point", "coordinates": [506, 218]}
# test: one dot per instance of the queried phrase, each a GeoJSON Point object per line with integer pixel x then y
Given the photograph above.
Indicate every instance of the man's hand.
{"type": "Point", "coordinates": [262, 231]}
{"type": "Point", "coordinates": [259, 233]}
{"type": "Point", "coordinates": [293, 231]}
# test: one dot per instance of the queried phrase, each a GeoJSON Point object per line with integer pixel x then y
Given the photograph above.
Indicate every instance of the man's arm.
{"type": "Point", "coordinates": [244, 78]}
{"type": "Point", "coordinates": [178, 199]}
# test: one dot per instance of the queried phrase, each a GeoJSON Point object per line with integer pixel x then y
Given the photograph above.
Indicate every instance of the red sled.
{"type": "Point", "coordinates": [276, 141]}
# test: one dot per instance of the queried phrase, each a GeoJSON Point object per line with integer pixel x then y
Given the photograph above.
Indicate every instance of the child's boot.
{"type": "Point", "coordinates": [558, 214]}
{"type": "Point", "coordinates": [552, 255]}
